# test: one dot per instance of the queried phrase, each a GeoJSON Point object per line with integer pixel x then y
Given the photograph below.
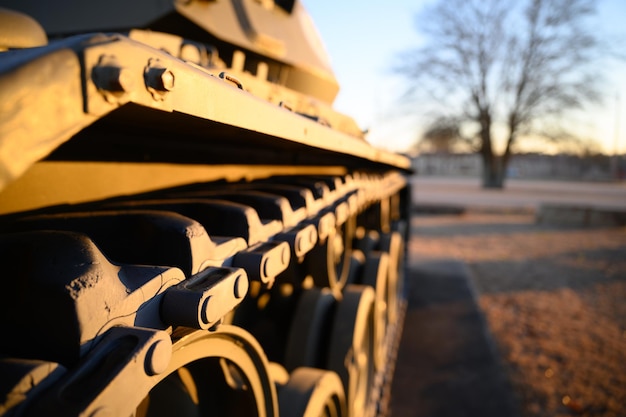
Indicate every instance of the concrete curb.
{"type": "Point", "coordinates": [580, 215]}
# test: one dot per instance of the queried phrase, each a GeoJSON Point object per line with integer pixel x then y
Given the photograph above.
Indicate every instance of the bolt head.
{"type": "Point", "coordinates": [167, 80]}
{"type": "Point", "coordinates": [159, 79]}
{"type": "Point", "coordinates": [113, 79]}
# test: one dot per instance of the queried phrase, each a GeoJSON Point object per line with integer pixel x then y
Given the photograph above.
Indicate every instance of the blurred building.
{"type": "Point", "coordinates": [527, 166]}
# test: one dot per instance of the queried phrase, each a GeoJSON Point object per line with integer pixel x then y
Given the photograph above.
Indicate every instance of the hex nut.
{"type": "Point", "coordinates": [160, 79]}
{"type": "Point", "coordinates": [112, 78]}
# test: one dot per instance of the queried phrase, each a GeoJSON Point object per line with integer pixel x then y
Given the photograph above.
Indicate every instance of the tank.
{"type": "Point", "coordinates": [187, 225]}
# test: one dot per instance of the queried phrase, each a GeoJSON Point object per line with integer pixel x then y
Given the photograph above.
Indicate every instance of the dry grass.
{"type": "Point", "coordinates": [555, 301]}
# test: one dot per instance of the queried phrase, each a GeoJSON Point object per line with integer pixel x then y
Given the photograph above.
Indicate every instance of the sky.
{"type": "Point", "coordinates": [364, 38]}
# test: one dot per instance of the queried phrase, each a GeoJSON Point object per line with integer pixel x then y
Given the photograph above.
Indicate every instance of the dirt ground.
{"type": "Point", "coordinates": [555, 301]}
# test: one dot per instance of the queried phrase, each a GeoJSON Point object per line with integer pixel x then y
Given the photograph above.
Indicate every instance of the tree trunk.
{"type": "Point", "coordinates": [493, 172]}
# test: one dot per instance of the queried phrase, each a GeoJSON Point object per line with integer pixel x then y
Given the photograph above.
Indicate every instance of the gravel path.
{"type": "Point", "coordinates": [554, 299]}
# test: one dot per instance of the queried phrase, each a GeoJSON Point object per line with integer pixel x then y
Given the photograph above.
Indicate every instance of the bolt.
{"type": "Point", "coordinates": [160, 79]}
{"type": "Point", "coordinates": [167, 80]}
{"type": "Point", "coordinates": [112, 78]}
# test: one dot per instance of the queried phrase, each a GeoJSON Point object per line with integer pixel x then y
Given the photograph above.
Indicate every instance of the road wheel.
{"type": "Point", "coordinates": [351, 347]}
{"type": "Point", "coordinates": [219, 373]}
{"type": "Point", "coordinates": [312, 392]}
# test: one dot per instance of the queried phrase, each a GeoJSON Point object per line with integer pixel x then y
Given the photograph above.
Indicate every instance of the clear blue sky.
{"type": "Point", "coordinates": [362, 39]}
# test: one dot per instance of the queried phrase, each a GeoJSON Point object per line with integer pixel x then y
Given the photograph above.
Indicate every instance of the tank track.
{"type": "Point", "coordinates": [190, 233]}
{"type": "Point", "coordinates": [280, 296]}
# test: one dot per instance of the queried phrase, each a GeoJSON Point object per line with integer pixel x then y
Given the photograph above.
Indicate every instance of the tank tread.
{"type": "Point", "coordinates": [155, 290]}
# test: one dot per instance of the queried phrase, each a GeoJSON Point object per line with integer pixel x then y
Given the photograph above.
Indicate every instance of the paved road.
{"type": "Point", "coordinates": [447, 364]}
{"type": "Point", "coordinates": [519, 194]}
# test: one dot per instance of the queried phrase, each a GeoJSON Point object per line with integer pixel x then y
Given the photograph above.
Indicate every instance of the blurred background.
{"type": "Point", "coordinates": [375, 51]}
{"type": "Point", "coordinates": [542, 247]}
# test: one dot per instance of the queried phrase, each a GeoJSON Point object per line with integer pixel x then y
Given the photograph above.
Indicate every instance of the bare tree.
{"type": "Point", "coordinates": [498, 63]}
